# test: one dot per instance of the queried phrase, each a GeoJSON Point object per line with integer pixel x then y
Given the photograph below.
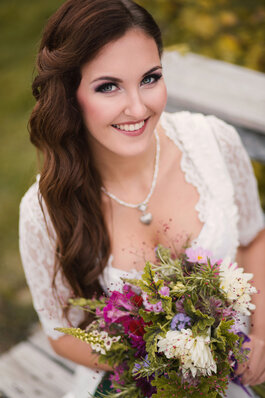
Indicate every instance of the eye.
{"type": "Point", "coordinates": [106, 88]}
{"type": "Point", "coordinates": [150, 79]}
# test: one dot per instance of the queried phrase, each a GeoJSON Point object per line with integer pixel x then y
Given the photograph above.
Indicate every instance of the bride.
{"type": "Point", "coordinates": [119, 175]}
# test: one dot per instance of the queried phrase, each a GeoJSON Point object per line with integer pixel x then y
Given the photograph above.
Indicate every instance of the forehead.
{"type": "Point", "coordinates": [134, 52]}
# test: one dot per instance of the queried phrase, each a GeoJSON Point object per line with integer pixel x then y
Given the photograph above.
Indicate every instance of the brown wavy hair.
{"type": "Point", "coordinates": [70, 183]}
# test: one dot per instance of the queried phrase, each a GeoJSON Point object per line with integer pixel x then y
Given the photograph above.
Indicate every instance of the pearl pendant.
{"type": "Point", "coordinates": [146, 218]}
{"type": "Point", "coordinates": [142, 207]}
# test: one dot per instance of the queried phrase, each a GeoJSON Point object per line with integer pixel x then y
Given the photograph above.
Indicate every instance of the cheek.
{"type": "Point", "coordinates": [98, 110]}
{"type": "Point", "coordinates": [162, 98]}
{"type": "Point", "coordinates": [158, 98]}
{"type": "Point", "coordinates": [91, 109]}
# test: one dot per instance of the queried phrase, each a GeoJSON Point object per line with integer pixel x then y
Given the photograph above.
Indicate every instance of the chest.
{"type": "Point", "coordinates": [175, 219]}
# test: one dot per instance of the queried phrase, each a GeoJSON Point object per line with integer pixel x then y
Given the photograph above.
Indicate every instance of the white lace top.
{"type": "Point", "coordinates": [213, 160]}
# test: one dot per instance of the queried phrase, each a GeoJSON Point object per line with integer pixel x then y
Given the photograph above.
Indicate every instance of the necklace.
{"type": "Point", "coordinates": [146, 217]}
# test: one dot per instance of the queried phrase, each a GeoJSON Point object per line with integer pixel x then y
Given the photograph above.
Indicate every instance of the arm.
{"type": "Point", "coordinates": [77, 351]}
{"type": "Point", "coordinates": [251, 236]}
{"type": "Point", "coordinates": [37, 250]}
{"type": "Point", "coordinates": [252, 258]}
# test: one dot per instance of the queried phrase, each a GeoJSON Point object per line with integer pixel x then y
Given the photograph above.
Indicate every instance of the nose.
{"type": "Point", "coordinates": [135, 106]}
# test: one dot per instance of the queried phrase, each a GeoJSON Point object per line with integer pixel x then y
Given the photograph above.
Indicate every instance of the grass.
{"type": "Point", "coordinates": [20, 25]}
{"type": "Point", "coordinates": [20, 22]}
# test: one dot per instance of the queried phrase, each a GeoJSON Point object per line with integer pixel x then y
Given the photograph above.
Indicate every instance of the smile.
{"type": "Point", "coordinates": [129, 127]}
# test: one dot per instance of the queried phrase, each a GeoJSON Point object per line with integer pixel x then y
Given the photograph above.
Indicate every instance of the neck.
{"type": "Point", "coordinates": [128, 177]}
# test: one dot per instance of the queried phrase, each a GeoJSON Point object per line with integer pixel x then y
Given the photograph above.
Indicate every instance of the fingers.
{"type": "Point", "coordinates": [254, 369]}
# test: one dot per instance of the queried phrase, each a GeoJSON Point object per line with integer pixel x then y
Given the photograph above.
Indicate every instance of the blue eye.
{"type": "Point", "coordinates": [106, 88]}
{"type": "Point", "coordinates": [149, 79]}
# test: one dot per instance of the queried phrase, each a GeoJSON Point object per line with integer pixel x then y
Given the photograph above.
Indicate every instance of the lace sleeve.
{"type": "Point", "coordinates": [37, 250]}
{"type": "Point", "coordinates": [251, 219]}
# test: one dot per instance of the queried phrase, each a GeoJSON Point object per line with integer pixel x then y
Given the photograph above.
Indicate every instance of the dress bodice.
{"type": "Point", "coordinates": [213, 160]}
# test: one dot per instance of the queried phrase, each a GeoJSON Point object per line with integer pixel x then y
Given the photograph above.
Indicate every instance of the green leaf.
{"type": "Point", "coordinates": [91, 304]}
{"type": "Point", "coordinates": [148, 283]}
{"type": "Point", "coordinates": [202, 321]}
{"type": "Point", "coordinates": [223, 336]}
{"type": "Point", "coordinates": [172, 385]}
{"type": "Point", "coordinates": [150, 337]}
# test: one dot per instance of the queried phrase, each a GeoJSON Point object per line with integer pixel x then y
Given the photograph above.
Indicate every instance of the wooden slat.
{"type": "Point", "coordinates": [231, 92]}
{"type": "Point", "coordinates": [29, 371]}
{"type": "Point", "coordinates": [253, 141]}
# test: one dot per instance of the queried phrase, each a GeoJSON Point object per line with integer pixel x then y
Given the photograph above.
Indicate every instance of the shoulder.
{"type": "Point", "coordinates": [198, 133]}
{"type": "Point", "coordinates": [33, 211]}
{"type": "Point", "coordinates": [30, 201]}
{"type": "Point", "coordinates": [31, 205]}
{"type": "Point", "coordinates": [225, 134]}
{"type": "Point", "coordinates": [197, 124]}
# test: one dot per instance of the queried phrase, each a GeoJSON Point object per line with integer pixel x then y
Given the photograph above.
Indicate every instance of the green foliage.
{"type": "Point", "coordinates": [151, 336]}
{"type": "Point", "coordinates": [89, 305]}
{"type": "Point", "coordinates": [171, 386]}
{"type": "Point", "coordinates": [259, 390]}
{"type": "Point", "coordinates": [224, 337]}
{"type": "Point", "coordinates": [118, 354]}
{"type": "Point", "coordinates": [76, 332]}
{"type": "Point", "coordinates": [202, 321]}
{"type": "Point", "coordinates": [148, 283]}
{"type": "Point", "coordinates": [129, 391]}
{"type": "Point", "coordinates": [230, 31]}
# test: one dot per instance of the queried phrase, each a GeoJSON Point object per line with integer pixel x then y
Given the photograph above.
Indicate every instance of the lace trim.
{"type": "Point", "coordinates": [187, 167]}
{"type": "Point", "coordinates": [251, 220]}
{"type": "Point", "coordinates": [199, 143]}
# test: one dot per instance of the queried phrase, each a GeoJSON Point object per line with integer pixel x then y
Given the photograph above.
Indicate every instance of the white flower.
{"type": "Point", "coordinates": [98, 348]}
{"type": "Point", "coordinates": [235, 283]}
{"type": "Point", "coordinates": [194, 353]}
{"type": "Point", "coordinates": [101, 341]}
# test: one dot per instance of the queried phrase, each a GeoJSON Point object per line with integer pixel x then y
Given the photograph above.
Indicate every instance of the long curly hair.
{"type": "Point", "coordinates": [70, 185]}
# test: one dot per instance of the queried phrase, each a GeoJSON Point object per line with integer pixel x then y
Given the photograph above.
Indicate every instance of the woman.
{"type": "Point", "coordinates": [118, 172]}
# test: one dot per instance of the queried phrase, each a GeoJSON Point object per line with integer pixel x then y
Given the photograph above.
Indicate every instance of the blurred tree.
{"type": "Point", "coordinates": [233, 31]}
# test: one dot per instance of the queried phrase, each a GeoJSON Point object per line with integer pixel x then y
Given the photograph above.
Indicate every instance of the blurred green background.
{"type": "Point", "coordinates": [231, 30]}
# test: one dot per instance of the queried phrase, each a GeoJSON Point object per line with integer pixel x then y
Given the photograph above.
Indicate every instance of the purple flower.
{"type": "Point", "coordinates": [145, 364]}
{"type": "Point", "coordinates": [118, 372]}
{"type": "Point", "coordinates": [199, 255]}
{"type": "Point", "coordinates": [180, 321]}
{"type": "Point", "coordinates": [164, 291]}
{"type": "Point", "coordinates": [145, 386]}
{"type": "Point", "coordinates": [136, 368]}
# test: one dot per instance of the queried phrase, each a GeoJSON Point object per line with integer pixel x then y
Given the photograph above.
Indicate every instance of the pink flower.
{"type": "Point", "coordinates": [121, 305]}
{"type": "Point", "coordinates": [199, 255]}
{"type": "Point", "coordinates": [164, 291]}
{"type": "Point", "coordinates": [157, 307]}
{"type": "Point", "coordinates": [118, 306]}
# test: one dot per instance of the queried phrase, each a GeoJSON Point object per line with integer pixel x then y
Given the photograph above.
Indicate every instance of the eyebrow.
{"type": "Point", "coordinates": [117, 80]}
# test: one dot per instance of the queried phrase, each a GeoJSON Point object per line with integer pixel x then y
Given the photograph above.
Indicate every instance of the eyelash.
{"type": "Point", "coordinates": [102, 88]}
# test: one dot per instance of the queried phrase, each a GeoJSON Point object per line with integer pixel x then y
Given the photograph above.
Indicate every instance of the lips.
{"type": "Point", "coordinates": [131, 129]}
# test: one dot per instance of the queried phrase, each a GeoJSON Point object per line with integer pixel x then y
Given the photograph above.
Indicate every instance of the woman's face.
{"type": "Point", "coordinates": [122, 94]}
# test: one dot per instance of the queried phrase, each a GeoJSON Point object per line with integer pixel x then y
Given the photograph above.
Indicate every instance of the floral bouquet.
{"type": "Point", "coordinates": [175, 332]}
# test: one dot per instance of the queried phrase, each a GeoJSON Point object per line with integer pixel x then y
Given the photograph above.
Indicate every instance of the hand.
{"type": "Point", "coordinates": [253, 370]}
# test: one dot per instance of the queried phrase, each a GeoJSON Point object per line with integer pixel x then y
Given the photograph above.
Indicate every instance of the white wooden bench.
{"type": "Point", "coordinates": [233, 93]}
{"type": "Point", "coordinates": [32, 370]}
{"type": "Point", "coordinates": [195, 83]}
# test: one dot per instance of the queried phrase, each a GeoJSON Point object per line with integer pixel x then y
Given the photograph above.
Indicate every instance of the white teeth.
{"type": "Point", "coordinates": [130, 127]}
